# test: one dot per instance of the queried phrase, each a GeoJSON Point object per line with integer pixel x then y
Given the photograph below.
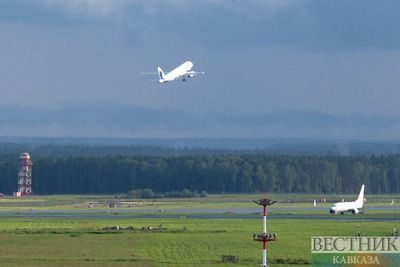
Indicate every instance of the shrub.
{"type": "Point", "coordinates": [184, 194]}
{"type": "Point", "coordinates": [143, 193]}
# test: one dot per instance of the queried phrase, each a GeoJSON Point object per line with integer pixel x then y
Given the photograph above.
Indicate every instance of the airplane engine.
{"type": "Point", "coordinates": [332, 212]}
{"type": "Point", "coordinates": [190, 75]}
{"type": "Point", "coordinates": [355, 211]}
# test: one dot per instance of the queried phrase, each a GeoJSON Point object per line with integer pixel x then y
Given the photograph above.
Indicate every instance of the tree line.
{"type": "Point", "coordinates": [190, 147]}
{"type": "Point", "coordinates": [210, 173]}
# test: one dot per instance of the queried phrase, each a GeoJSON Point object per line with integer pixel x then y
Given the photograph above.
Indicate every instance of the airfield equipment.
{"type": "Point", "coordinates": [24, 175]}
{"type": "Point", "coordinates": [264, 237]}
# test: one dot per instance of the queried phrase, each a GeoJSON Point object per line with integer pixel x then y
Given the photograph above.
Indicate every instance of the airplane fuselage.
{"type": "Point", "coordinates": [353, 207]}
{"type": "Point", "coordinates": [342, 207]}
{"type": "Point", "coordinates": [181, 72]}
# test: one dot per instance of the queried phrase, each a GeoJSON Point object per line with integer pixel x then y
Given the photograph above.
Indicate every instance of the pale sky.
{"type": "Point", "coordinates": [335, 57]}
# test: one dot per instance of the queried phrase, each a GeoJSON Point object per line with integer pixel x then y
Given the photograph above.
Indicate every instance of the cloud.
{"type": "Point", "coordinates": [102, 8]}
{"type": "Point", "coordinates": [206, 22]}
{"type": "Point", "coordinates": [88, 7]}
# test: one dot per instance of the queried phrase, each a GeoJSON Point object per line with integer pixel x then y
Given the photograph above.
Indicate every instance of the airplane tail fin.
{"type": "Point", "coordinates": [161, 74]}
{"type": "Point", "coordinates": [360, 198]}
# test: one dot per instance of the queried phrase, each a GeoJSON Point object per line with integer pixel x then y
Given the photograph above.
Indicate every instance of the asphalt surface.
{"type": "Point", "coordinates": [238, 213]}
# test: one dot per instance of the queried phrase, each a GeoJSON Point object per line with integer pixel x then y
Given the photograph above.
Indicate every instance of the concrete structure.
{"type": "Point", "coordinates": [264, 237]}
{"type": "Point", "coordinates": [24, 175]}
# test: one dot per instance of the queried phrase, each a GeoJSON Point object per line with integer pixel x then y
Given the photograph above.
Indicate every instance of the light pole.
{"type": "Point", "coordinates": [264, 237]}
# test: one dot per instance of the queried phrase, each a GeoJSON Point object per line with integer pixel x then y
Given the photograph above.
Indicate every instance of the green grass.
{"type": "Point", "coordinates": [179, 242]}
{"type": "Point", "coordinates": [213, 201]}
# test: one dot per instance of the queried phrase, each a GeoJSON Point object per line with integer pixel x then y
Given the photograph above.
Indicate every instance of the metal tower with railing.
{"type": "Point", "coordinates": [24, 175]}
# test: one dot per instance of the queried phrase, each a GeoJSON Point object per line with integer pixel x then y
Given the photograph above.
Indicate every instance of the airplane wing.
{"type": "Point", "coordinates": [149, 73]}
{"type": "Point", "coordinates": [195, 72]}
{"type": "Point", "coordinates": [189, 74]}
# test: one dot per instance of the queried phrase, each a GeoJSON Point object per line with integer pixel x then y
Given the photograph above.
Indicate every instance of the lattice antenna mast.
{"type": "Point", "coordinates": [24, 175]}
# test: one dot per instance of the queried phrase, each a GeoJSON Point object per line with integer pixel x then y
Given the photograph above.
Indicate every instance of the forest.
{"type": "Point", "coordinates": [225, 173]}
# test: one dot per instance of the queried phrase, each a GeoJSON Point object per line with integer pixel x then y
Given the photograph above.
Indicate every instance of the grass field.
{"type": "Point", "coordinates": [180, 241]}
{"type": "Point", "coordinates": [212, 201]}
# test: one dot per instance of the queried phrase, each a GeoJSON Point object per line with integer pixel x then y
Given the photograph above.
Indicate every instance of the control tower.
{"type": "Point", "coordinates": [24, 175]}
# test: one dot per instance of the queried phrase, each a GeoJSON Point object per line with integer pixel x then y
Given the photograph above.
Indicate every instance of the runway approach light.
{"type": "Point", "coordinates": [264, 236]}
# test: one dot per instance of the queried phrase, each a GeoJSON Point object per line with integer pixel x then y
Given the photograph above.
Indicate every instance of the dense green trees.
{"type": "Point", "coordinates": [211, 173]}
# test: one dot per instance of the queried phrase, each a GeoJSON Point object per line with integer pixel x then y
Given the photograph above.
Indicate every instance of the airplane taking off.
{"type": "Point", "coordinates": [184, 71]}
{"type": "Point", "coordinates": [353, 207]}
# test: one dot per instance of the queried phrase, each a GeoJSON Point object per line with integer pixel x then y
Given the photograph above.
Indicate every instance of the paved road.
{"type": "Point", "coordinates": [240, 213]}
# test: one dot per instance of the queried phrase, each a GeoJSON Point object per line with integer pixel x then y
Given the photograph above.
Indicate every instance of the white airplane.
{"type": "Point", "coordinates": [353, 207]}
{"type": "Point", "coordinates": [183, 71]}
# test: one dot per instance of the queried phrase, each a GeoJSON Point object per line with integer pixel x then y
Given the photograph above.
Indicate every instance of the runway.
{"type": "Point", "coordinates": [306, 213]}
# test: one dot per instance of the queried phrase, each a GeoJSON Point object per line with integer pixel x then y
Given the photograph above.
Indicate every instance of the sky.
{"type": "Point", "coordinates": [259, 56]}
